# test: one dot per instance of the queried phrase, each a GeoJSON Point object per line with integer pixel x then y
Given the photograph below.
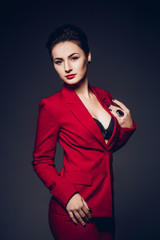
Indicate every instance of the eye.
{"type": "Point", "coordinates": [58, 62]}
{"type": "Point", "coordinates": [74, 58]}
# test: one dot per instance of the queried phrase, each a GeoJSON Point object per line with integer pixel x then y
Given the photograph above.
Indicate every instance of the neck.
{"type": "Point", "coordinates": [82, 89]}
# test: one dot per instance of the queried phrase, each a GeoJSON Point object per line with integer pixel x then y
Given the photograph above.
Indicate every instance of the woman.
{"type": "Point", "coordinates": [90, 126]}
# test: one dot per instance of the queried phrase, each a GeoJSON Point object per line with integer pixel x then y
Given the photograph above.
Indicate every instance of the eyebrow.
{"type": "Point", "coordinates": [68, 56]}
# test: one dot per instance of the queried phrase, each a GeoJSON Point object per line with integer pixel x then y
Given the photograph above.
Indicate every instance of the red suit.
{"type": "Point", "coordinates": [87, 158]}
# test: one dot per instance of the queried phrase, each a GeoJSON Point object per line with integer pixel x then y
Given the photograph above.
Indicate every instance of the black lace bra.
{"type": "Point", "coordinates": [106, 132]}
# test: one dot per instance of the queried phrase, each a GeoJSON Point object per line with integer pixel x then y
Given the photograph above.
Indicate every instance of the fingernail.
{"type": "Point", "coordinates": [84, 225]}
{"type": "Point", "coordinates": [115, 105]}
{"type": "Point", "coordinates": [120, 113]}
{"type": "Point", "coordinates": [113, 99]}
{"type": "Point", "coordinates": [108, 105]}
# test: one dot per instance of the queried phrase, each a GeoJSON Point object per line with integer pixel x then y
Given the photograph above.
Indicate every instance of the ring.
{"type": "Point", "coordinates": [120, 113]}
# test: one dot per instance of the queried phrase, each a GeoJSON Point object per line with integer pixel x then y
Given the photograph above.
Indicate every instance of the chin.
{"type": "Point", "coordinates": [74, 82]}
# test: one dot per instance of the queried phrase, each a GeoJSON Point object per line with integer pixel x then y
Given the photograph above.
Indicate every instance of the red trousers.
{"type": "Point", "coordinates": [63, 228]}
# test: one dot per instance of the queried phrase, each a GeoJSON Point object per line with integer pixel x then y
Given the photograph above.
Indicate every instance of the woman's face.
{"type": "Point", "coordinates": [70, 62]}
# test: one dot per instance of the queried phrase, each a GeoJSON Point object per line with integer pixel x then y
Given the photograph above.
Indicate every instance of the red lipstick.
{"type": "Point", "coordinates": [70, 76]}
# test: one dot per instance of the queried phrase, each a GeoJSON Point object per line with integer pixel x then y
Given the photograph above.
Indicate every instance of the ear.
{"type": "Point", "coordinates": [89, 57]}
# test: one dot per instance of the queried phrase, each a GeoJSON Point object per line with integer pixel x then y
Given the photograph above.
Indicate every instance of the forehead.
{"type": "Point", "coordinates": [64, 49]}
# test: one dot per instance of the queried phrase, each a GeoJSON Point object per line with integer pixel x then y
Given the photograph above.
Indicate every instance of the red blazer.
{"type": "Point", "coordinates": [87, 159]}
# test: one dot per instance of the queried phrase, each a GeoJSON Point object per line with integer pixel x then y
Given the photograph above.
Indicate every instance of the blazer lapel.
{"type": "Point", "coordinates": [81, 112]}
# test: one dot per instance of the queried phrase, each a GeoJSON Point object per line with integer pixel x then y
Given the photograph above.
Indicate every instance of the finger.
{"type": "Point", "coordinates": [120, 112]}
{"type": "Point", "coordinates": [117, 112]}
{"type": "Point", "coordinates": [86, 209]}
{"type": "Point", "coordinates": [87, 213]}
{"type": "Point", "coordinates": [115, 104]}
{"type": "Point", "coordinates": [120, 104]}
{"type": "Point", "coordinates": [72, 217]}
{"type": "Point", "coordinates": [113, 108]}
{"type": "Point", "coordinates": [77, 215]}
{"type": "Point", "coordinates": [83, 215]}
{"type": "Point", "coordinates": [85, 204]}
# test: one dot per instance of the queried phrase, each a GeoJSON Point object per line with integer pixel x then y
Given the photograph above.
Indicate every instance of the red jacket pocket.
{"type": "Point", "coordinates": [78, 177]}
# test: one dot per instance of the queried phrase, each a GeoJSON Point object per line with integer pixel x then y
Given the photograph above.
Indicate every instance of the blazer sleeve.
{"type": "Point", "coordinates": [124, 135]}
{"type": "Point", "coordinates": [44, 154]}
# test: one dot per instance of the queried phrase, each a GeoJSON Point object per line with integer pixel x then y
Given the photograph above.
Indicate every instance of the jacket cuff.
{"type": "Point", "coordinates": [127, 132]}
{"type": "Point", "coordinates": [64, 193]}
{"type": "Point", "coordinates": [124, 135]}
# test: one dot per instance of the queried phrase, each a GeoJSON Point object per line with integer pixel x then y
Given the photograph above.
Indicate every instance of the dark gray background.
{"type": "Point", "coordinates": [124, 41]}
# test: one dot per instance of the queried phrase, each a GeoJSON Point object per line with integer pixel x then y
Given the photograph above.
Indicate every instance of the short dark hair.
{"type": "Point", "coordinates": [68, 32]}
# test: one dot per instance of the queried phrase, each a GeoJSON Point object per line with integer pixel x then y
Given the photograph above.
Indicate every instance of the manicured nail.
{"type": "Point", "coordinates": [120, 113]}
{"type": "Point", "coordinates": [84, 225]}
{"type": "Point", "coordinates": [115, 105]}
{"type": "Point", "coordinates": [108, 105]}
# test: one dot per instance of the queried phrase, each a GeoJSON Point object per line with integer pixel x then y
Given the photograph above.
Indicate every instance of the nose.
{"type": "Point", "coordinates": [67, 67]}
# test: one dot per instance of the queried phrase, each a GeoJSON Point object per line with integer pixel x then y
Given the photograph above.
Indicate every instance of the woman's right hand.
{"type": "Point", "coordinates": [77, 207]}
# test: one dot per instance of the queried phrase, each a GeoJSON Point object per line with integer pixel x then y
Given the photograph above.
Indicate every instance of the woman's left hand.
{"type": "Point", "coordinates": [122, 113]}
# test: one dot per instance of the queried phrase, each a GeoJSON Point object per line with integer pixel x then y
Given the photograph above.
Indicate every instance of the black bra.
{"type": "Point", "coordinates": [106, 132]}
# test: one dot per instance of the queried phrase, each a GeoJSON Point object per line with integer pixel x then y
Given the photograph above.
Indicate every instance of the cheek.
{"type": "Point", "coordinates": [82, 66]}
{"type": "Point", "coordinates": [58, 70]}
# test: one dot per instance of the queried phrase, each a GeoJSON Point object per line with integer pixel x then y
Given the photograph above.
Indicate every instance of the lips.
{"type": "Point", "coordinates": [70, 76]}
